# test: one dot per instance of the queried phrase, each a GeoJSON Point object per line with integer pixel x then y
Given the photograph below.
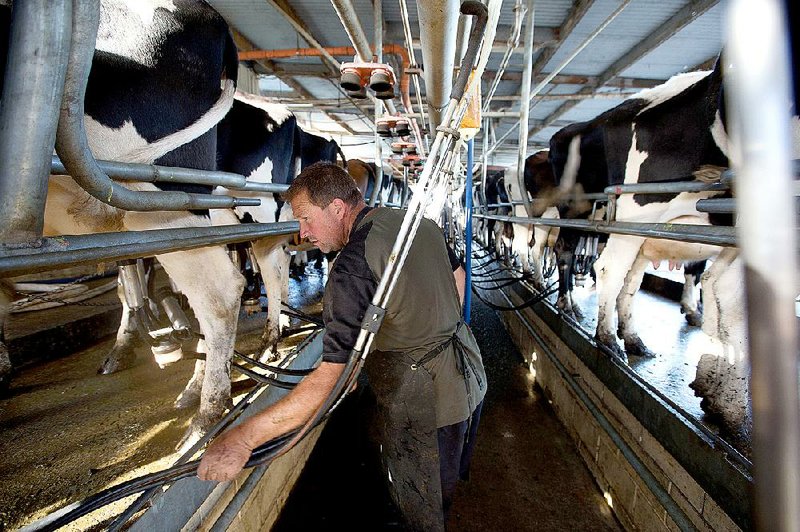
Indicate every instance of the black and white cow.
{"type": "Point", "coordinates": [669, 133]}
{"type": "Point", "coordinates": [262, 141]}
{"type": "Point", "coordinates": [528, 241]}
{"type": "Point", "coordinates": [495, 193]}
{"type": "Point", "coordinates": [163, 76]}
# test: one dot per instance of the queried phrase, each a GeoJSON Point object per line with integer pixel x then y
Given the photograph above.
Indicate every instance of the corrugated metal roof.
{"type": "Point", "coordinates": [698, 41]}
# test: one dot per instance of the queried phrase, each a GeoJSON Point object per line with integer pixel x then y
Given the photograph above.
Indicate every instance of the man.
{"type": "Point", "coordinates": [425, 370]}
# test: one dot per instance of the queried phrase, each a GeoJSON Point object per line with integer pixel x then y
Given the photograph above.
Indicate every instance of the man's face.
{"type": "Point", "coordinates": [322, 227]}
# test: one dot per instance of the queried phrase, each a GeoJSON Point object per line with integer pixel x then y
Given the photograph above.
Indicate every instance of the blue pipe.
{"type": "Point", "coordinates": [468, 235]}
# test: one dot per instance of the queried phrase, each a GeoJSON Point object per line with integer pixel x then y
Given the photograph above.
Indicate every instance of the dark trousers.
{"type": "Point", "coordinates": [456, 445]}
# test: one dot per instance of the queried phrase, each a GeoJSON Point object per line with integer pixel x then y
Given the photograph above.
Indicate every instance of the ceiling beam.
{"type": "Point", "coordinates": [575, 15]}
{"type": "Point", "coordinates": [243, 43]}
{"type": "Point", "coordinates": [664, 32]}
{"type": "Point", "coordinates": [288, 13]}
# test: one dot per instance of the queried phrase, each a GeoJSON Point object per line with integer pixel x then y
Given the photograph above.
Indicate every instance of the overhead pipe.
{"type": "Point", "coordinates": [395, 49]}
{"type": "Point", "coordinates": [73, 147]}
{"type": "Point", "coordinates": [438, 24]}
{"type": "Point", "coordinates": [38, 51]}
{"type": "Point", "coordinates": [409, 46]}
{"type": "Point", "coordinates": [758, 93]}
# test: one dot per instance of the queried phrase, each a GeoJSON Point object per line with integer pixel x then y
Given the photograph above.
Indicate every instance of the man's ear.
{"type": "Point", "coordinates": [338, 208]}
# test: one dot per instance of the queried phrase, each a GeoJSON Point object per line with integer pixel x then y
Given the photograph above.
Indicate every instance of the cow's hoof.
{"type": "Point", "coordinates": [695, 319]}
{"type": "Point", "coordinates": [5, 383]}
{"type": "Point", "coordinates": [609, 344]}
{"type": "Point", "coordinates": [200, 426]}
{"type": "Point", "coordinates": [118, 359]}
{"type": "Point", "coordinates": [190, 437]}
{"type": "Point", "coordinates": [189, 398]}
{"type": "Point", "coordinates": [635, 347]}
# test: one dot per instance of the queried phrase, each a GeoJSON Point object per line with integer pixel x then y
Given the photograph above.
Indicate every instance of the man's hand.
{"type": "Point", "coordinates": [225, 457]}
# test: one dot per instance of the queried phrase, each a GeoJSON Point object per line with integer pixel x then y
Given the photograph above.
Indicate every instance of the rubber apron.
{"type": "Point", "coordinates": [405, 427]}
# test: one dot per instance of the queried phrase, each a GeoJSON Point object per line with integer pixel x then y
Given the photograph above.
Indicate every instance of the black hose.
{"type": "Point", "coordinates": [538, 298]}
{"type": "Point", "coordinates": [299, 314]}
{"type": "Point", "coordinates": [75, 511]}
{"type": "Point", "coordinates": [263, 379]}
{"type": "Point", "coordinates": [274, 369]}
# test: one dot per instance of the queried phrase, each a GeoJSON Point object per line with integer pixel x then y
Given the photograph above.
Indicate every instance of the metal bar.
{"type": "Point", "coordinates": [90, 249]}
{"type": "Point", "coordinates": [294, 21]}
{"type": "Point", "coordinates": [38, 50]}
{"type": "Point", "coordinates": [704, 234]}
{"type": "Point", "coordinates": [378, 20]}
{"type": "Point", "coordinates": [759, 89]}
{"type": "Point", "coordinates": [468, 235]}
{"type": "Point", "coordinates": [151, 173]}
{"type": "Point", "coordinates": [719, 206]}
{"type": "Point", "coordinates": [673, 187]}
{"type": "Point", "coordinates": [525, 108]}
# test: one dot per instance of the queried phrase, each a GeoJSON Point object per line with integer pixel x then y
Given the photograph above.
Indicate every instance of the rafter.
{"type": "Point", "coordinates": [672, 26]}
{"type": "Point", "coordinates": [243, 43]}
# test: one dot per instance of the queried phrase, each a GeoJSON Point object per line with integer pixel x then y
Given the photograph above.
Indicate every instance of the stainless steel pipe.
{"type": "Point", "coordinates": [33, 86]}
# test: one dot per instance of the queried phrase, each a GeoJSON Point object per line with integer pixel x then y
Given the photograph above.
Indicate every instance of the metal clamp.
{"type": "Point", "coordinates": [449, 131]}
{"type": "Point", "coordinates": [373, 318]}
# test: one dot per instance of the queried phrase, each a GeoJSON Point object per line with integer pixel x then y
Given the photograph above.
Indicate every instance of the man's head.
{"type": "Point", "coordinates": [326, 201]}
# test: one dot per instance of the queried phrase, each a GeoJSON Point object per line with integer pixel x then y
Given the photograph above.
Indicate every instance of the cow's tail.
{"type": "Point", "coordinates": [570, 175]}
{"type": "Point", "coordinates": [151, 152]}
{"type": "Point", "coordinates": [341, 156]}
{"type": "Point", "coordinates": [230, 72]}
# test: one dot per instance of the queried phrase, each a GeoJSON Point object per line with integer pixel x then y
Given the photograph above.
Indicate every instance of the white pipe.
{"type": "Point", "coordinates": [527, 72]}
{"type": "Point", "coordinates": [759, 106]}
{"type": "Point", "coordinates": [438, 23]}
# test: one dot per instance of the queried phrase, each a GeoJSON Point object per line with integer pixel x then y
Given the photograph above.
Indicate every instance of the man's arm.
{"type": "Point", "coordinates": [461, 279]}
{"type": "Point", "coordinates": [229, 452]}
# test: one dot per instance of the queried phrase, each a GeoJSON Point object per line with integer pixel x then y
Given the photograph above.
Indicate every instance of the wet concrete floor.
{"type": "Point", "coordinates": [526, 473]}
{"type": "Point", "coordinates": [67, 432]}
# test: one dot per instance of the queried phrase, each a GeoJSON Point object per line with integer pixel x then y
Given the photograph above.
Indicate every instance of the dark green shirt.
{"type": "Point", "coordinates": [423, 311]}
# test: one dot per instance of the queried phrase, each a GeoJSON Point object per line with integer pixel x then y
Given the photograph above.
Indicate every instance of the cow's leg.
{"type": "Point", "coordinates": [625, 329]}
{"type": "Point", "coordinates": [520, 246]}
{"type": "Point", "coordinates": [537, 251]}
{"type": "Point", "coordinates": [689, 305]}
{"type": "Point", "coordinates": [273, 261]}
{"type": "Point", "coordinates": [213, 291]}
{"type": "Point", "coordinates": [6, 296]}
{"type": "Point", "coordinates": [565, 257]}
{"type": "Point", "coordinates": [714, 296]}
{"type": "Point", "coordinates": [689, 300]}
{"type": "Point", "coordinates": [123, 354]}
{"type": "Point", "coordinates": [611, 268]}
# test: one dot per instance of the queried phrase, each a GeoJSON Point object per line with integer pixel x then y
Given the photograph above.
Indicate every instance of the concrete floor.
{"type": "Point", "coordinates": [526, 473]}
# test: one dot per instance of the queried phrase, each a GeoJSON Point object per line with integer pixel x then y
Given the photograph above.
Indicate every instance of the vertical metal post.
{"type": "Point", "coordinates": [484, 165]}
{"type": "Point", "coordinates": [39, 44]}
{"type": "Point", "coordinates": [404, 197]}
{"type": "Point", "coordinates": [378, 19]}
{"type": "Point", "coordinates": [524, 108]}
{"type": "Point", "coordinates": [468, 234]}
{"type": "Point", "coordinates": [758, 80]}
